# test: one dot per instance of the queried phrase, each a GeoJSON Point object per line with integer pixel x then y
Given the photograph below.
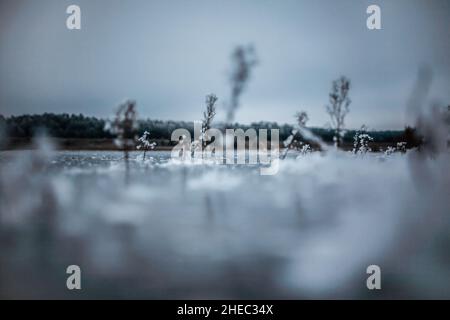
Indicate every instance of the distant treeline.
{"type": "Point", "coordinates": [82, 127]}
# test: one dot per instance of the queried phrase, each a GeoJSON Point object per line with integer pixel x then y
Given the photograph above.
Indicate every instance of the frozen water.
{"type": "Point", "coordinates": [168, 229]}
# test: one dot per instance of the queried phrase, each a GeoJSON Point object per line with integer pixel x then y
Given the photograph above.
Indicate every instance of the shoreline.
{"type": "Point", "coordinates": [62, 144]}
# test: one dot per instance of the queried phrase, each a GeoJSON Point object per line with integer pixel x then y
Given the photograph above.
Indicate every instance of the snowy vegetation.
{"type": "Point", "coordinates": [339, 107]}
{"type": "Point", "coordinates": [144, 143]}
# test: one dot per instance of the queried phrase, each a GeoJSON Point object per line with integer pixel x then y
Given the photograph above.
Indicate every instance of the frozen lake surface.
{"type": "Point", "coordinates": [171, 229]}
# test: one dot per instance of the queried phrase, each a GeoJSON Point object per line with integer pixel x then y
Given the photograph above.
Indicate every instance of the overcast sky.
{"type": "Point", "coordinates": [169, 54]}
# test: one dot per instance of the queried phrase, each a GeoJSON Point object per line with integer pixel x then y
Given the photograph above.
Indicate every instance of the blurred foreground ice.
{"type": "Point", "coordinates": [215, 231]}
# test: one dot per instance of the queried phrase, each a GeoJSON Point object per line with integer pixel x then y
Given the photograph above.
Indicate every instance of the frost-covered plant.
{"type": "Point", "coordinates": [401, 146]}
{"type": "Point", "coordinates": [145, 144]}
{"type": "Point", "coordinates": [208, 117]}
{"type": "Point", "coordinates": [302, 118]}
{"type": "Point", "coordinates": [196, 146]}
{"type": "Point", "coordinates": [243, 59]}
{"type": "Point", "coordinates": [289, 143]}
{"type": "Point", "coordinates": [389, 151]}
{"type": "Point", "coordinates": [305, 149]}
{"type": "Point", "coordinates": [361, 141]}
{"type": "Point", "coordinates": [182, 153]}
{"type": "Point", "coordinates": [364, 140]}
{"type": "Point", "coordinates": [293, 140]}
{"type": "Point", "coordinates": [339, 107]}
{"type": "Point", "coordinates": [123, 127]}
